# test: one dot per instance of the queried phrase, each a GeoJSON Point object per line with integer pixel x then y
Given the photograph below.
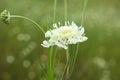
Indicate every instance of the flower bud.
{"type": "Point", "coordinates": [5, 16]}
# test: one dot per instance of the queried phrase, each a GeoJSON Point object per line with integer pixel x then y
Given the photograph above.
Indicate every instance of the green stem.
{"type": "Point", "coordinates": [67, 56]}
{"type": "Point", "coordinates": [50, 53]}
{"type": "Point", "coordinates": [73, 57]}
{"type": "Point", "coordinates": [77, 46]}
{"type": "Point", "coordinates": [54, 12]}
{"type": "Point", "coordinates": [38, 26]}
{"type": "Point", "coordinates": [66, 69]}
{"type": "Point", "coordinates": [65, 3]}
{"type": "Point", "coordinates": [83, 13]}
{"type": "Point", "coordinates": [55, 54]}
{"type": "Point", "coordinates": [65, 75]}
{"type": "Point", "coordinates": [50, 65]}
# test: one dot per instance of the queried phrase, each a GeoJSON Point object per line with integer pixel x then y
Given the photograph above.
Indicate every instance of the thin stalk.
{"type": "Point", "coordinates": [55, 54]}
{"type": "Point", "coordinates": [83, 13]}
{"type": "Point", "coordinates": [67, 56]}
{"type": "Point", "coordinates": [50, 65]}
{"type": "Point", "coordinates": [65, 3]}
{"type": "Point", "coordinates": [38, 26]}
{"type": "Point", "coordinates": [54, 19]}
{"type": "Point", "coordinates": [50, 53]}
{"type": "Point", "coordinates": [77, 46]}
{"type": "Point", "coordinates": [73, 57]}
{"type": "Point", "coordinates": [54, 12]}
{"type": "Point", "coordinates": [65, 75]}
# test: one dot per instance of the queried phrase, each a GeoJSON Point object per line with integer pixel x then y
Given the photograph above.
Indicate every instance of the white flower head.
{"type": "Point", "coordinates": [64, 35]}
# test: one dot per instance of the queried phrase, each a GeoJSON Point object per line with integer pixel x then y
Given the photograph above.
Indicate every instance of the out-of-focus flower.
{"type": "Point", "coordinates": [26, 63]}
{"type": "Point", "coordinates": [10, 59]}
{"type": "Point", "coordinates": [64, 35]}
{"type": "Point", "coordinates": [100, 62]}
{"type": "Point", "coordinates": [5, 16]}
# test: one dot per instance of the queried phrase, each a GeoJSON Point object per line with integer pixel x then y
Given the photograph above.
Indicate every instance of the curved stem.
{"type": "Point", "coordinates": [38, 26]}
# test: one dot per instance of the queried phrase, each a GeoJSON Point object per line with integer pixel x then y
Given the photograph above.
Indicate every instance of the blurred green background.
{"type": "Point", "coordinates": [23, 58]}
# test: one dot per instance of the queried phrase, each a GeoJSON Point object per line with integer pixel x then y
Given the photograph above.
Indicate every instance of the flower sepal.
{"type": "Point", "coordinates": [5, 16]}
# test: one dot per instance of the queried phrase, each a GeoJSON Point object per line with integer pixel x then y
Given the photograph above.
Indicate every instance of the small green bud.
{"type": "Point", "coordinates": [5, 16]}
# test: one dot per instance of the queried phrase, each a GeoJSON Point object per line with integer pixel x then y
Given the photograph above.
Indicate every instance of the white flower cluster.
{"type": "Point", "coordinates": [62, 36]}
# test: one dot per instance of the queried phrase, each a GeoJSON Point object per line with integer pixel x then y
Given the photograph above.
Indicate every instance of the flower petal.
{"type": "Point", "coordinates": [45, 44]}
{"type": "Point", "coordinates": [55, 25]}
{"type": "Point", "coordinates": [84, 38]}
{"type": "Point", "coordinates": [48, 34]}
{"type": "Point", "coordinates": [81, 32]}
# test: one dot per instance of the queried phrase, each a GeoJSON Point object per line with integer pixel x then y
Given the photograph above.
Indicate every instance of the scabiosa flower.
{"type": "Point", "coordinates": [64, 35]}
{"type": "Point", "coordinates": [5, 16]}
